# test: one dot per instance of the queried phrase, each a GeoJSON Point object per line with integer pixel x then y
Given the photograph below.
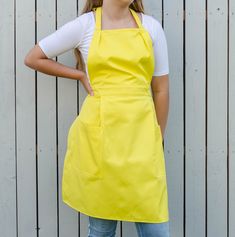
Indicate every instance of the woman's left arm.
{"type": "Point", "coordinates": [160, 91]}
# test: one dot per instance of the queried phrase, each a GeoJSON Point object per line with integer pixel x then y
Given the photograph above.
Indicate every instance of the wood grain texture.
{"type": "Point", "coordinates": [46, 131]}
{"type": "Point", "coordinates": [25, 122]}
{"type": "Point", "coordinates": [67, 103]}
{"type": "Point", "coordinates": [195, 118]}
{"type": "Point", "coordinates": [217, 76]}
{"type": "Point", "coordinates": [231, 120]}
{"type": "Point", "coordinates": [174, 133]}
{"type": "Point", "coordinates": [7, 121]}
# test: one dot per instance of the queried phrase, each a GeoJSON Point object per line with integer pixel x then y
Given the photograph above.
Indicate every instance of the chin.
{"type": "Point", "coordinates": [124, 2]}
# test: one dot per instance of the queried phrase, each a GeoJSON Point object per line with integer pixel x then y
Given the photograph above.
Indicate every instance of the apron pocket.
{"type": "Point", "coordinates": [158, 157]}
{"type": "Point", "coordinates": [84, 140]}
{"type": "Point", "coordinates": [87, 149]}
{"type": "Point", "coordinates": [88, 138]}
{"type": "Point", "coordinates": [159, 161]}
{"type": "Point", "coordinates": [90, 111]}
{"type": "Point", "coordinates": [158, 132]}
{"type": "Point", "coordinates": [156, 124]}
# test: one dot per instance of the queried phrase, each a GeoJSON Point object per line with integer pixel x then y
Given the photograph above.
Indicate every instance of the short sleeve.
{"type": "Point", "coordinates": [67, 37]}
{"type": "Point", "coordinates": [160, 49]}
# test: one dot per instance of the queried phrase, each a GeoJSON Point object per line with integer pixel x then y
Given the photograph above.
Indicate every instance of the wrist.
{"type": "Point", "coordinates": [80, 74]}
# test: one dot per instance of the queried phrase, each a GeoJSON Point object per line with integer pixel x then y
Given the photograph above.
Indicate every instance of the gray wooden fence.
{"type": "Point", "coordinates": [36, 111]}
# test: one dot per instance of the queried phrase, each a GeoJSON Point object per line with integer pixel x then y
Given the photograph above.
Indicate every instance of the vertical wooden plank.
{"type": "Point", "coordinates": [153, 8]}
{"type": "Point", "coordinates": [195, 86]}
{"type": "Point", "coordinates": [46, 130]}
{"type": "Point", "coordinates": [174, 134]}
{"type": "Point", "coordinates": [128, 229]}
{"type": "Point", "coordinates": [217, 119]}
{"type": "Point", "coordinates": [67, 112]}
{"type": "Point", "coordinates": [231, 125]}
{"type": "Point", "coordinates": [7, 121]}
{"type": "Point", "coordinates": [25, 121]}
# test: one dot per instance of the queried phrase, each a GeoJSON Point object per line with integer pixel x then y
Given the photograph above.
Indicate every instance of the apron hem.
{"type": "Point", "coordinates": [165, 219]}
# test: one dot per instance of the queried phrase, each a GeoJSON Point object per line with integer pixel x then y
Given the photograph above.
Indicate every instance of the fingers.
{"type": "Point", "coordinates": [89, 88]}
{"type": "Point", "coordinates": [87, 85]}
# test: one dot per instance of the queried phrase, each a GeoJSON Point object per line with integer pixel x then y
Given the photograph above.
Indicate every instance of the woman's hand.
{"type": "Point", "coordinates": [86, 84]}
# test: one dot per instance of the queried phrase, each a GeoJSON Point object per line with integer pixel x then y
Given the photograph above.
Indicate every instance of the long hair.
{"type": "Point", "coordinates": [136, 5]}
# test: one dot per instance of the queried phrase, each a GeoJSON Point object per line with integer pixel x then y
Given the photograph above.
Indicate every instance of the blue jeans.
{"type": "Point", "coordinates": [107, 228]}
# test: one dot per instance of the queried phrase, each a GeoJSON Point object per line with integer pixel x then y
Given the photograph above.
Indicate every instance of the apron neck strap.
{"type": "Point", "coordinates": [98, 18]}
{"type": "Point", "coordinates": [98, 12]}
{"type": "Point", "coordinates": [136, 17]}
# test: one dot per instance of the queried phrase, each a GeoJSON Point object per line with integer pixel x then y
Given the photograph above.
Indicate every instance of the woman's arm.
{"type": "Point", "coordinates": [160, 77]}
{"type": "Point", "coordinates": [37, 60]}
{"type": "Point", "coordinates": [160, 91]}
{"type": "Point", "coordinates": [67, 37]}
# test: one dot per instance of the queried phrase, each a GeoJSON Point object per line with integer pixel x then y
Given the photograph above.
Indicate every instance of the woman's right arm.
{"type": "Point", "coordinates": [37, 60]}
{"type": "Point", "coordinates": [67, 37]}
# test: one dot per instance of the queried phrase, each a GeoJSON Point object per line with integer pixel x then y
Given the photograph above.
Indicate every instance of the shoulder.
{"type": "Point", "coordinates": [153, 26]}
{"type": "Point", "coordinates": [151, 22]}
{"type": "Point", "coordinates": [81, 24]}
{"type": "Point", "coordinates": [84, 18]}
{"type": "Point", "coordinates": [83, 21]}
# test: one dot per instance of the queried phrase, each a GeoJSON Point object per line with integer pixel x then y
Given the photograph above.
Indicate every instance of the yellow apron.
{"type": "Point", "coordinates": [114, 166]}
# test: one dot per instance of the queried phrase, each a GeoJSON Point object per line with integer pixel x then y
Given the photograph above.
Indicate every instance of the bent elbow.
{"type": "Point", "coordinates": [27, 61]}
{"type": "Point", "coordinates": [32, 57]}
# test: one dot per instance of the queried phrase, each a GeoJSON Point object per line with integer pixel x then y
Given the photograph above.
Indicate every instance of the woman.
{"type": "Point", "coordinates": [114, 167]}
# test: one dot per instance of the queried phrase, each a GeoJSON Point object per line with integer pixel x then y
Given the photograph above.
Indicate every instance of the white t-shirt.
{"type": "Point", "coordinates": [78, 33]}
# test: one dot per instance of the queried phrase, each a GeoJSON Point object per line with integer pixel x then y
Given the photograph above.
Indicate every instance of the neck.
{"type": "Point", "coordinates": [114, 10]}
